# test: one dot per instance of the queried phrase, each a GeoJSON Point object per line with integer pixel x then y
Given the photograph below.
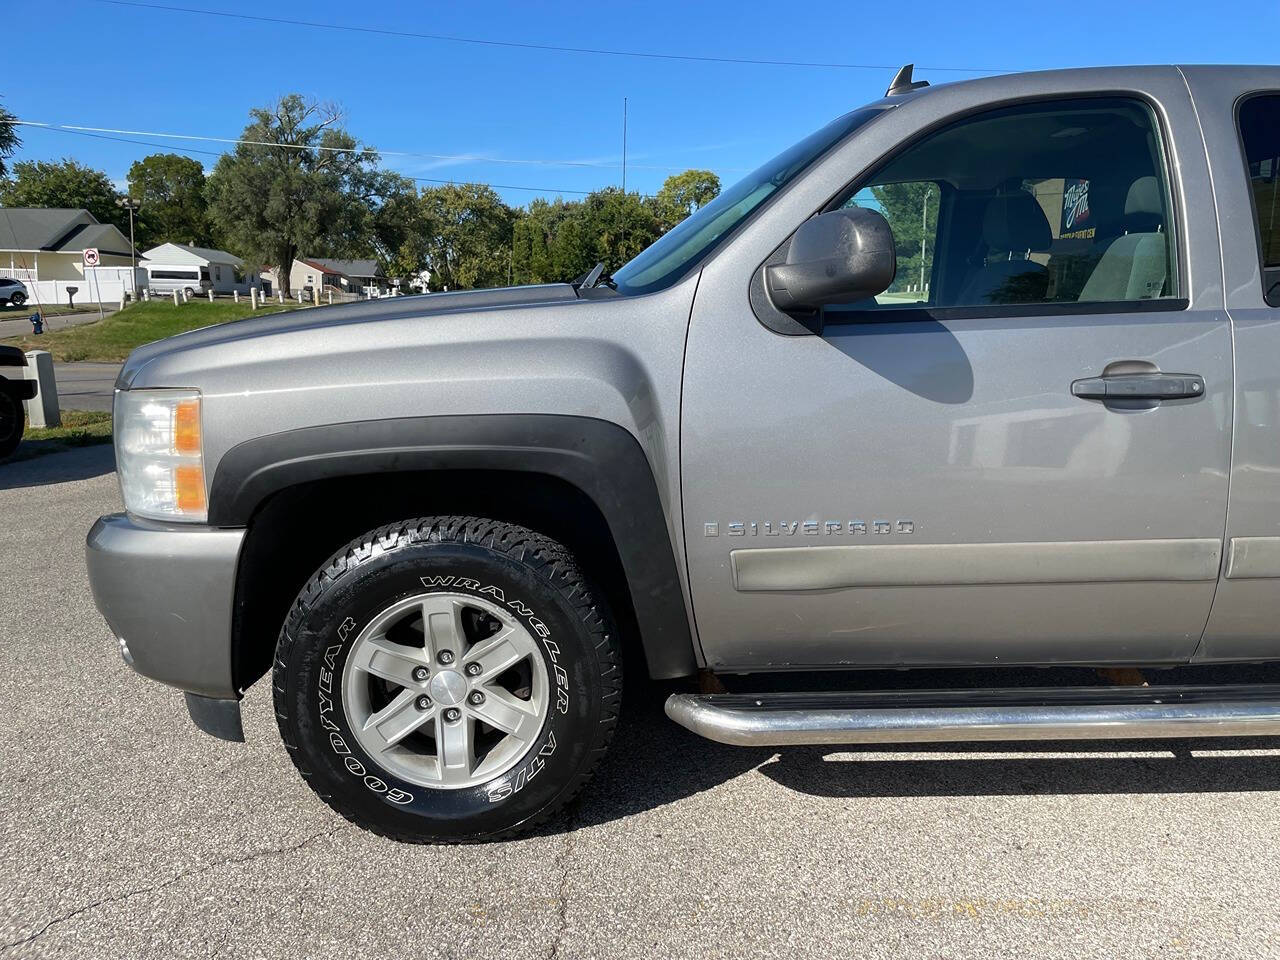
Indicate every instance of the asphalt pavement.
{"type": "Point", "coordinates": [15, 322]}
{"type": "Point", "coordinates": [85, 386]}
{"type": "Point", "coordinates": [124, 832]}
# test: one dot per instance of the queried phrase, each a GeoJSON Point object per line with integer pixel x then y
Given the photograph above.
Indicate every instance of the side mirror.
{"type": "Point", "coordinates": [838, 257]}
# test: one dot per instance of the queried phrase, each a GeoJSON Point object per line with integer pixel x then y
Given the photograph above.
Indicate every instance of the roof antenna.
{"type": "Point", "coordinates": [902, 82]}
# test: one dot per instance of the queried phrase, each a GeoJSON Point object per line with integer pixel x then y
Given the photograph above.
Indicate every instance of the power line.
{"type": "Point", "coordinates": [460, 157]}
{"type": "Point", "coordinates": [594, 51]}
{"type": "Point", "coordinates": [219, 153]}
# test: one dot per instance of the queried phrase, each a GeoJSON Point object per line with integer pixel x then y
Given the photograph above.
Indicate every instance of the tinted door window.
{"type": "Point", "coordinates": [1050, 203]}
{"type": "Point", "coordinates": [1260, 133]}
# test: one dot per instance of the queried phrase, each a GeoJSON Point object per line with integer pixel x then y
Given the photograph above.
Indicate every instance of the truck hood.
{"type": "Point", "coordinates": [364, 311]}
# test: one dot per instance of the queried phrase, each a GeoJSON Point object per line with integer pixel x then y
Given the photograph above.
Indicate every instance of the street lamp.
{"type": "Point", "coordinates": [132, 205]}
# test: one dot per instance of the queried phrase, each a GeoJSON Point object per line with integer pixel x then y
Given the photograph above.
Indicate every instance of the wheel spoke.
{"type": "Point", "coordinates": [398, 719]}
{"type": "Point", "coordinates": [506, 712]}
{"type": "Point", "coordinates": [496, 653]}
{"type": "Point", "coordinates": [442, 626]}
{"type": "Point", "coordinates": [390, 661]}
{"type": "Point", "coordinates": [454, 748]}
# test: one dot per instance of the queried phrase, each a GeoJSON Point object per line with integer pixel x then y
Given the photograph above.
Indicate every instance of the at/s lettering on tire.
{"type": "Point", "coordinates": [448, 679]}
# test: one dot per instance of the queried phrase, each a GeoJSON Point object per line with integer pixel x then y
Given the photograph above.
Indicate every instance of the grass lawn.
{"type": "Point", "coordinates": [112, 339]}
{"type": "Point", "coordinates": [80, 428]}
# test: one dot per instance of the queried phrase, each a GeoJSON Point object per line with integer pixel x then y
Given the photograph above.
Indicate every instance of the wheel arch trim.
{"type": "Point", "coordinates": [601, 459]}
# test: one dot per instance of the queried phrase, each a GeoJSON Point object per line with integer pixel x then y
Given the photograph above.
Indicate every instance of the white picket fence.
{"type": "Point", "coordinates": [99, 285]}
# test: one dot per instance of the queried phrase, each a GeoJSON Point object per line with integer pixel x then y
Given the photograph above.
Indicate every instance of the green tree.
{"type": "Point", "coordinates": [394, 229]}
{"type": "Point", "coordinates": [619, 225]}
{"type": "Point", "coordinates": [570, 253]}
{"type": "Point", "coordinates": [9, 141]}
{"type": "Point", "coordinates": [468, 232]}
{"type": "Point", "coordinates": [683, 193]}
{"type": "Point", "coordinates": [912, 212]}
{"type": "Point", "coordinates": [171, 189]}
{"type": "Point", "coordinates": [37, 183]}
{"type": "Point", "coordinates": [298, 187]}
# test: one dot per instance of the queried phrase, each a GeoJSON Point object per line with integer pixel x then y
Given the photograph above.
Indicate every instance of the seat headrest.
{"type": "Point", "coordinates": [1144, 197]}
{"type": "Point", "coordinates": [1015, 221]}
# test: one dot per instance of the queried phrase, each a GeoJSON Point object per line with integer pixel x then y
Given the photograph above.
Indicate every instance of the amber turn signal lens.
{"type": "Point", "coordinates": [186, 428]}
{"type": "Point", "coordinates": [188, 482]}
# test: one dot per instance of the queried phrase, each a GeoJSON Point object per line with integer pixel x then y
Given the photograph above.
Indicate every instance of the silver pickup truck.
{"type": "Point", "coordinates": [979, 375]}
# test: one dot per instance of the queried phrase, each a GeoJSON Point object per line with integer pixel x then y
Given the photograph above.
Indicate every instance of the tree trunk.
{"type": "Point", "coordinates": [283, 271]}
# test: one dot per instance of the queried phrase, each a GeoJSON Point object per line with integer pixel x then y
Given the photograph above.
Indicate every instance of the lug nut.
{"type": "Point", "coordinates": [476, 698]}
{"type": "Point", "coordinates": [473, 669]}
{"type": "Point", "coordinates": [446, 656]}
{"type": "Point", "coordinates": [423, 702]}
{"type": "Point", "coordinates": [453, 715]}
{"type": "Point", "coordinates": [421, 673]}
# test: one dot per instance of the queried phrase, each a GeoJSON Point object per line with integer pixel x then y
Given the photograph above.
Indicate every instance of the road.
{"type": "Point", "coordinates": [85, 386]}
{"type": "Point", "coordinates": [125, 832]}
{"type": "Point", "coordinates": [14, 322]}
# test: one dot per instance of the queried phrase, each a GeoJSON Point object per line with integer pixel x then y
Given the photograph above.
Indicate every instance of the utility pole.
{"type": "Point", "coordinates": [924, 231]}
{"type": "Point", "coordinates": [131, 205]}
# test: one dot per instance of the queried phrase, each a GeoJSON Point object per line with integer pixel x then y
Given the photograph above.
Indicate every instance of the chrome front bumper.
{"type": "Point", "coordinates": [166, 591]}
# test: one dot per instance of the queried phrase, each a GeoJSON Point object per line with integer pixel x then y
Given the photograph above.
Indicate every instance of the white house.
{"type": "Point", "coordinates": [44, 248]}
{"type": "Point", "coordinates": [176, 261]}
{"type": "Point", "coordinates": [345, 276]}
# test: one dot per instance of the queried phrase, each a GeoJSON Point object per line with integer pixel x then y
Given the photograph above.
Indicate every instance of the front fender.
{"type": "Point", "coordinates": [599, 458]}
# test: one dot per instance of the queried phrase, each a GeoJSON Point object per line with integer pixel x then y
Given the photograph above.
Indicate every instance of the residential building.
{"type": "Point", "coordinates": [215, 270]}
{"type": "Point", "coordinates": [44, 248]}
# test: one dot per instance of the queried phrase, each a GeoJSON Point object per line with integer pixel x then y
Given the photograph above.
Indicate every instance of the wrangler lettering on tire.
{"type": "Point", "coordinates": [447, 679]}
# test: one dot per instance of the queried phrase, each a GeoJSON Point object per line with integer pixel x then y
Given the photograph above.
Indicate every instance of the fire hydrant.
{"type": "Point", "coordinates": [37, 324]}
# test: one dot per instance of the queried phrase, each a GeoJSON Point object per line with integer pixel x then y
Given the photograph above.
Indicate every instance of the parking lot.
{"type": "Point", "coordinates": [125, 832]}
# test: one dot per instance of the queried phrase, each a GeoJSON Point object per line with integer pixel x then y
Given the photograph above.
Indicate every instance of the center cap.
{"type": "Point", "coordinates": [448, 687]}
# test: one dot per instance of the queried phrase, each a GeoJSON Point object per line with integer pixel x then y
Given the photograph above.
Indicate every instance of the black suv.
{"type": "Point", "coordinates": [13, 390]}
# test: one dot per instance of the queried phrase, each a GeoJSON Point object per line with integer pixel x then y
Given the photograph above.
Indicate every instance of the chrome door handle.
{"type": "Point", "coordinates": [1140, 386]}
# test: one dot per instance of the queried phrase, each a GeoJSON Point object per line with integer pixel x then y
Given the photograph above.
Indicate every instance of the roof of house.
{"type": "Point", "coordinates": [59, 230]}
{"type": "Point", "coordinates": [186, 253]}
{"type": "Point", "coordinates": [350, 268]}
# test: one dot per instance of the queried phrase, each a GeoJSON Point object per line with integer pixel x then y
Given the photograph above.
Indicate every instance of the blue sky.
{"type": "Point", "coordinates": [175, 72]}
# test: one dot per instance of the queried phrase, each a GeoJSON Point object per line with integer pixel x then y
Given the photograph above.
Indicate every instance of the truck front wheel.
{"type": "Point", "coordinates": [447, 679]}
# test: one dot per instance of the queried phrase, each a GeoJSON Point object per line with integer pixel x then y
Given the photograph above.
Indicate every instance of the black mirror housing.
{"type": "Point", "coordinates": [837, 257]}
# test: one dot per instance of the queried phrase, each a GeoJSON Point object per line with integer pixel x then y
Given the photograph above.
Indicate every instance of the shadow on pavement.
{"type": "Point", "coordinates": [1138, 766]}
{"type": "Point", "coordinates": [654, 762]}
{"type": "Point", "coordinates": [77, 464]}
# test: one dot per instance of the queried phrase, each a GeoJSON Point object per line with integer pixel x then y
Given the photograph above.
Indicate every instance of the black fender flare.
{"type": "Point", "coordinates": [598, 457]}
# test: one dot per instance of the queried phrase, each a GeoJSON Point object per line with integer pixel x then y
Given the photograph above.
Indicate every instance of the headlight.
{"type": "Point", "coordinates": [159, 454]}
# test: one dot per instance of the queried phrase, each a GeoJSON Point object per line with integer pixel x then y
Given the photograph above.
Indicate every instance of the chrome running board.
{"type": "Point", "coordinates": [943, 716]}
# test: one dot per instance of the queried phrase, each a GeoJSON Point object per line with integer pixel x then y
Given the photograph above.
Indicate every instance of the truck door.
{"type": "Point", "coordinates": [1241, 111]}
{"type": "Point", "coordinates": [970, 468]}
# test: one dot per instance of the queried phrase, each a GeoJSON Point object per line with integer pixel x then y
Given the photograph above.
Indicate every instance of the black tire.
{"type": "Point", "coordinates": [188, 293]}
{"type": "Point", "coordinates": [12, 422]}
{"type": "Point", "coordinates": [17, 299]}
{"type": "Point", "coordinates": [538, 580]}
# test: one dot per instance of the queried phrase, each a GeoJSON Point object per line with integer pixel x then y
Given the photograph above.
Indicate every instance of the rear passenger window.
{"type": "Point", "coordinates": [1062, 202]}
{"type": "Point", "coordinates": [1260, 133]}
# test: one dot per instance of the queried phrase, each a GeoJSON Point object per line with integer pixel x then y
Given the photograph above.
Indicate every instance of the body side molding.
{"type": "Point", "coordinates": [600, 458]}
{"type": "Point", "coordinates": [1253, 558]}
{"type": "Point", "coordinates": [944, 564]}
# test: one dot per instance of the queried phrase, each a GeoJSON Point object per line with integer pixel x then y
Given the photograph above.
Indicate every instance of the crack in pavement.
{"type": "Point", "coordinates": [562, 888]}
{"type": "Point", "coordinates": [181, 875]}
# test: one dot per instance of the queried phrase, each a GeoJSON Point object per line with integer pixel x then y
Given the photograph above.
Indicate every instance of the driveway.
{"type": "Point", "coordinates": [125, 832]}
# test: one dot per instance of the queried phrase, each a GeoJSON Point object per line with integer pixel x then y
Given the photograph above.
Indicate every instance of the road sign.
{"type": "Point", "coordinates": [91, 256]}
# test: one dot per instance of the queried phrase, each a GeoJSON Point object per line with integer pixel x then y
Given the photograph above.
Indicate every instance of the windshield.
{"type": "Point", "coordinates": [667, 258]}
